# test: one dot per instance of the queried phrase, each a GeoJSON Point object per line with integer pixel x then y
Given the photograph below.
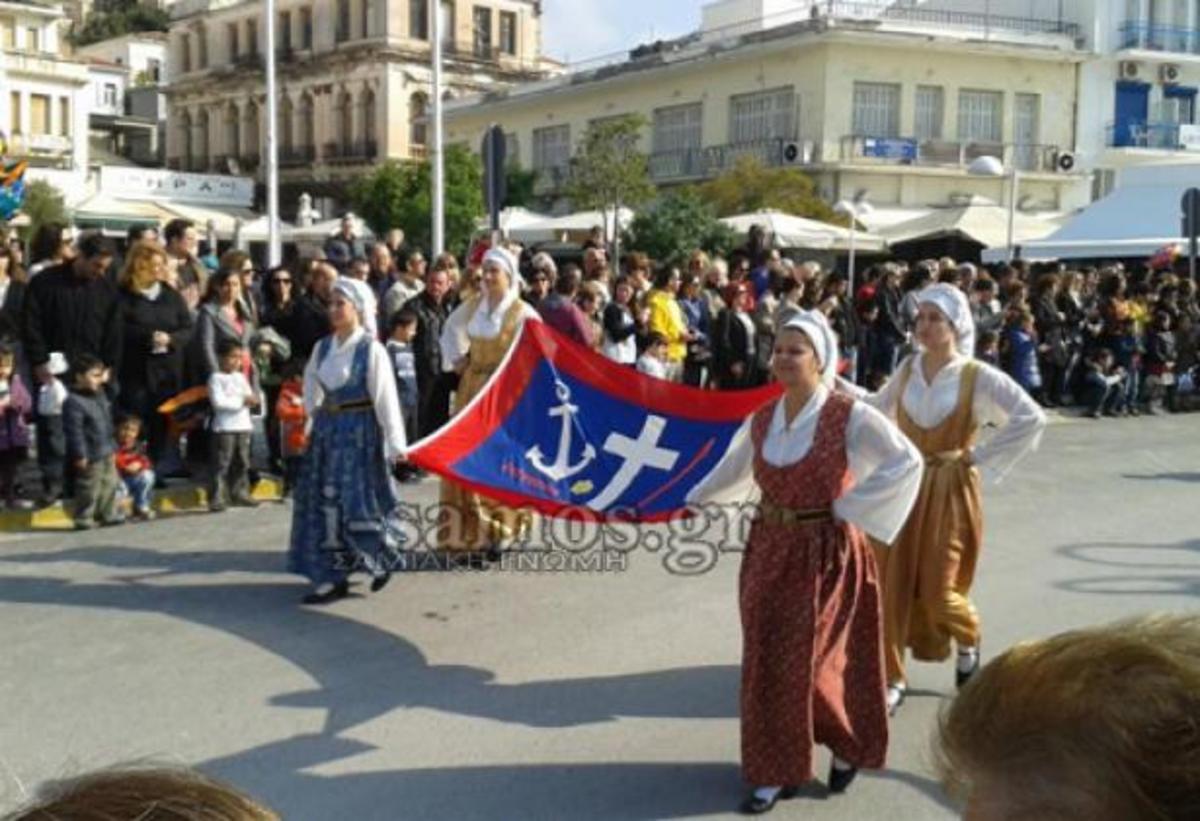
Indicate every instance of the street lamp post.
{"type": "Point", "coordinates": [855, 208]}
{"type": "Point", "coordinates": [989, 166]}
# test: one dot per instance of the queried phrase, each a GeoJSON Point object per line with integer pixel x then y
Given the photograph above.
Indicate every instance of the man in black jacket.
{"type": "Point", "coordinates": [73, 308]}
{"type": "Point", "coordinates": [890, 333]}
{"type": "Point", "coordinates": [432, 307]}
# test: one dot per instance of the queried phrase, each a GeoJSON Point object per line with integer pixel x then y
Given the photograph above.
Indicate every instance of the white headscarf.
{"type": "Point", "coordinates": [815, 326]}
{"type": "Point", "coordinates": [951, 301]}
{"type": "Point", "coordinates": [508, 262]}
{"type": "Point", "coordinates": [360, 295]}
{"type": "Point", "coordinates": [487, 312]}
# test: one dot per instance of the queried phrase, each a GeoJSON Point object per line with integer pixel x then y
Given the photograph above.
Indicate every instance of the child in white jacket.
{"type": "Point", "coordinates": [231, 397]}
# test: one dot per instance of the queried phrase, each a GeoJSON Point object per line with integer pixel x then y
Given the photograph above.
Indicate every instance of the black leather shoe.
{"type": "Point", "coordinates": [380, 582]}
{"type": "Point", "coordinates": [840, 779]}
{"type": "Point", "coordinates": [753, 805]}
{"type": "Point", "coordinates": [493, 554]}
{"type": "Point", "coordinates": [339, 591]}
{"type": "Point", "coordinates": [961, 678]}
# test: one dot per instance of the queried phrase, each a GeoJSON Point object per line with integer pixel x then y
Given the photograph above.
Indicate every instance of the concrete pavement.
{"type": "Point", "coordinates": [547, 695]}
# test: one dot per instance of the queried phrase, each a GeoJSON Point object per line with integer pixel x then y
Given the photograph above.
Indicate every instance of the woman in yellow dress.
{"type": "Point", "coordinates": [475, 340]}
{"type": "Point", "coordinates": [941, 397]}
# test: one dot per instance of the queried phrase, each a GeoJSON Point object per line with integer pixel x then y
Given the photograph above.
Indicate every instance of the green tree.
{"type": "Point", "coordinates": [751, 186]}
{"type": "Point", "coordinates": [608, 171]}
{"type": "Point", "coordinates": [43, 205]}
{"type": "Point", "coordinates": [519, 185]}
{"type": "Point", "coordinates": [400, 195]}
{"type": "Point", "coordinates": [118, 18]}
{"type": "Point", "coordinates": [676, 225]}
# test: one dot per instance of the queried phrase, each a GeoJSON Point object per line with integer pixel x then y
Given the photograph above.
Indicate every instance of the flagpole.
{"type": "Point", "coordinates": [439, 183]}
{"type": "Point", "coordinates": [273, 250]}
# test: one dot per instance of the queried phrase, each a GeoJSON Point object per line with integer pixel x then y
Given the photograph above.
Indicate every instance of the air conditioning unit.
{"type": "Point", "coordinates": [1065, 161]}
{"type": "Point", "coordinates": [797, 153]}
{"type": "Point", "coordinates": [1129, 70]}
{"type": "Point", "coordinates": [1168, 73]}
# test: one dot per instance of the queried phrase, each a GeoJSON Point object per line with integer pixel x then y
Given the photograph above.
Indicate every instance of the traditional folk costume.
{"type": "Point", "coordinates": [481, 333]}
{"type": "Point", "coordinates": [927, 573]}
{"type": "Point", "coordinates": [812, 665]}
{"type": "Point", "coordinates": [344, 504]}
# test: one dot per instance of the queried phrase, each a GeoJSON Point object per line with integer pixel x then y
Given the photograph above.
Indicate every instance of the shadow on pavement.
{"type": "Point", "coordinates": [1176, 477]}
{"type": "Point", "coordinates": [1155, 569]}
{"type": "Point", "coordinates": [363, 672]}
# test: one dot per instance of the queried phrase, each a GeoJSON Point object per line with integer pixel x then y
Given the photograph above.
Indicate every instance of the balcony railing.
{"type": "Point", "coordinates": [701, 163]}
{"type": "Point", "coordinates": [249, 162]}
{"type": "Point", "coordinates": [297, 156]}
{"type": "Point", "coordinates": [44, 143]}
{"type": "Point", "coordinates": [1155, 37]}
{"type": "Point", "coordinates": [980, 22]}
{"type": "Point", "coordinates": [352, 152]}
{"type": "Point", "coordinates": [860, 149]}
{"type": "Point", "coordinates": [1164, 136]}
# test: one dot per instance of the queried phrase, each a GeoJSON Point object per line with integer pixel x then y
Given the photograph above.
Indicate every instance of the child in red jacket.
{"type": "Point", "coordinates": [134, 467]}
{"type": "Point", "coordinates": [289, 410]}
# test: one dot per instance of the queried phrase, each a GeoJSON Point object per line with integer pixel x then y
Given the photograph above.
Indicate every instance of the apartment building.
{"type": "Point", "coordinates": [1138, 91]}
{"type": "Point", "coordinates": [127, 116]}
{"type": "Point", "coordinates": [354, 82]}
{"type": "Point", "coordinates": [891, 99]}
{"type": "Point", "coordinates": [43, 95]}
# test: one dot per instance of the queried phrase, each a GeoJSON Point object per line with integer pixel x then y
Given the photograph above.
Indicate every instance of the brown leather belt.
{"type": "Point", "coordinates": [787, 516]}
{"type": "Point", "coordinates": [947, 457]}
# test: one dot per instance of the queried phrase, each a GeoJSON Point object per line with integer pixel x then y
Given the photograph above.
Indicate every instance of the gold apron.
{"type": "Point", "coordinates": [469, 522]}
{"type": "Point", "coordinates": [927, 574]}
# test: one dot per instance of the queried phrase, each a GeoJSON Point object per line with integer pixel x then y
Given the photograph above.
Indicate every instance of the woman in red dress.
{"type": "Point", "coordinates": [828, 470]}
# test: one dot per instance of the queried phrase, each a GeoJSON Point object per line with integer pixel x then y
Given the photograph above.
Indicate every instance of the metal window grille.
{"type": "Point", "coordinates": [764, 115]}
{"type": "Point", "coordinates": [678, 127]}
{"type": "Point", "coordinates": [980, 116]}
{"type": "Point", "coordinates": [930, 113]}
{"type": "Point", "coordinates": [551, 147]}
{"type": "Point", "coordinates": [876, 109]}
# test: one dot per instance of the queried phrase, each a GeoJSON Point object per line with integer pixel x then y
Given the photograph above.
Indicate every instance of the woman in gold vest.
{"type": "Point", "coordinates": [475, 339]}
{"type": "Point", "coordinates": [940, 397]}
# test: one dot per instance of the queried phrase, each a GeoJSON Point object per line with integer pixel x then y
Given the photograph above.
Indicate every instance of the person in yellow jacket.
{"type": "Point", "coordinates": [666, 318]}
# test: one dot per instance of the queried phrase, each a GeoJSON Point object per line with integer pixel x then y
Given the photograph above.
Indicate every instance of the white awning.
{"type": "Point", "coordinates": [321, 231]}
{"type": "Point", "coordinates": [570, 227]}
{"type": "Point", "coordinates": [789, 231]}
{"type": "Point", "coordinates": [984, 223]}
{"type": "Point", "coordinates": [1132, 221]}
{"type": "Point", "coordinates": [225, 219]}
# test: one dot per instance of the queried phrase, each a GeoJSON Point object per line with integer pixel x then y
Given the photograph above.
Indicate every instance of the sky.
{"type": "Point", "coordinates": [576, 30]}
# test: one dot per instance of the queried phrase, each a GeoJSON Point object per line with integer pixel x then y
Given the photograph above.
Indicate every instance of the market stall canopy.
{"type": "Point", "coordinates": [320, 231]}
{"type": "Point", "coordinates": [1132, 221]}
{"type": "Point", "coordinates": [979, 221]}
{"type": "Point", "coordinates": [514, 219]}
{"type": "Point", "coordinates": [790, 231]}
{"type": "Point", "coordinates": [570, 227]}
{"type": "Point", "coordinates": [225, 219]}
{"type": "Point", "coordinates": [115, 216]}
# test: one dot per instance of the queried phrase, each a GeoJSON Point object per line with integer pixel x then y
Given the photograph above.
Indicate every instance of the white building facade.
{"type": "Point", "coordinates": [129, 80]}
{"type": "Point", "coordinates": [892, 99]}
{"type": "Point", "coordinates": [44, 96]}
{"type": "Point", "coordinates": [353, 82]}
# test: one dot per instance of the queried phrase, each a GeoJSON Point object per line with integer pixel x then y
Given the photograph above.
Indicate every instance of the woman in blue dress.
{"type": "Point", "coordinates": [345, 502]}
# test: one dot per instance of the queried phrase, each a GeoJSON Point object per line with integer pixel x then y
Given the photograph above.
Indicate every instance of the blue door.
{"type": "Point", "coordinates": [1133, 107]}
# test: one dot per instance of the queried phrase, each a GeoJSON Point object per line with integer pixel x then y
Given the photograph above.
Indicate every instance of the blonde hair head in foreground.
{"type": "Point", "coordinates": [1101, 724]}
{"type": "Point", "coordinates": [160, 793]}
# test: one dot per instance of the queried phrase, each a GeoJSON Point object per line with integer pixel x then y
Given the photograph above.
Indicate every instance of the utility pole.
{"type": "Point", "coordinates": [439, 172]}
{"type": "Point", "coordinates": [274, 255]}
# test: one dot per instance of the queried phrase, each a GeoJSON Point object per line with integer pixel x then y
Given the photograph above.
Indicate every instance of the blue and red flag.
{"type": "Point", "coordinates": [561, 429]}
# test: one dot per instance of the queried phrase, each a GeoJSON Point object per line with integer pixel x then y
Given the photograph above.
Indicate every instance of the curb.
{"type": "Point", "coordinates": [170, 501]}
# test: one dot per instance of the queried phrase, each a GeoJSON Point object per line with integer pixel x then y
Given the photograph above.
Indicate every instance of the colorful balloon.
{"type": "Point", "coordinates": [12, 182]}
